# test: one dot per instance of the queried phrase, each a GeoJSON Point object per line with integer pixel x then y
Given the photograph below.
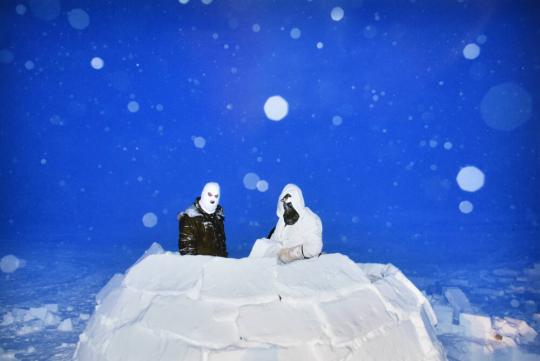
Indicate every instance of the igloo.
{"type": "Point", "coordinates": [200, 308]}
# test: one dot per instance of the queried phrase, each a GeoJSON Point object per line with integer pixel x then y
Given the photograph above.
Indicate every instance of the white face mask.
{"type": "Point", "coordinates": [210, 197]}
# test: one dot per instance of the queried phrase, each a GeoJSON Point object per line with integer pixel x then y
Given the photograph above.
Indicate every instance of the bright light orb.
{"type": "Point", "coordinates": [20, 9]}
{"type": "Point", "coordinates": [97, 63]}
{"type": "Point", "coordinates": [471, 51]}
{"type": "Point", "coordinates": [133, 106]}
{"type": "Point", "coordinates": [466, 207]}
{"type": "Point", "coordinates": [78, 19]}
{"type": "Point", "coordinates": [506, 106]}
{"type": "Point", "coordinates": [262, 186]}
{"type": "Point", "coordinates": [150, 220]}
{"type": "Point", "coordinates": [199, 142]}
{"type": "Point", "coordinates": [276, 108]}
{"type": "Point", "coordinates": [337, 120]}
{"type": "Point", "coordinates": [470, 179]}
{"type": "Point", "coordinates": [295, 33]}
{"type": "Point", "coordinates": [10, 263]}
{"type": "Point", "coordinates": [337, 13]}
{"type": "Point", "coordinates": [250, 180]}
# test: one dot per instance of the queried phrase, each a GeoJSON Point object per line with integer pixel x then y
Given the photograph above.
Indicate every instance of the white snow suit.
{"type": "Point", "coordinates": [303, 239]}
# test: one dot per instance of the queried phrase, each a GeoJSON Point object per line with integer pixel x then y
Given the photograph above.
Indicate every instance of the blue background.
{"type": "Point", "coordinates": [80, 170]}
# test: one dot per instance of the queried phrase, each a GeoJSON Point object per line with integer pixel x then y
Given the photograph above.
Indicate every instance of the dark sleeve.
{"type": "Point", "coordinates": [224, 244]}
{"type": "Point", "coordinates": [186, 237]}
{"type": "Point", "coordinates": [271, 233]}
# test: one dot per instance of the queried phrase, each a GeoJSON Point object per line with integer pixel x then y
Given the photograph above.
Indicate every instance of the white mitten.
{"type": "Point", "coordinates": [287, 255]}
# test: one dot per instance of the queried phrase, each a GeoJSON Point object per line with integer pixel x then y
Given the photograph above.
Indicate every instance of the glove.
{"type": "Point", "coordinates": [287, 255]}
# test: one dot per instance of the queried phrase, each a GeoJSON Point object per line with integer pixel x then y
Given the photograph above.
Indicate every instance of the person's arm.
{"type": "Point", "coordinates": [311, 245]}
{"type": "Point", "coordinates": [224, 243]}
{"type": "Point", "coordinates": [186, 238]}
{"type": "Point", "coordinates": [271, 233]}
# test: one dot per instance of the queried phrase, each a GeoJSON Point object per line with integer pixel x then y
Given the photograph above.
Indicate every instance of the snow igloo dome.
{"type": "Point", "coordinates": [201, 308]}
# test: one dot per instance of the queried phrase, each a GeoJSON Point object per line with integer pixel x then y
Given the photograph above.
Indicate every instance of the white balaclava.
{"type": "Point", "coordinates": [210, 197]}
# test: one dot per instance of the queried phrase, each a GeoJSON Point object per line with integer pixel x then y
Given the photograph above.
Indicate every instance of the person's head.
{"type": "Point", "coordinates": [290, 204]}
{"type": "Point", "coordinates": [210, 197]}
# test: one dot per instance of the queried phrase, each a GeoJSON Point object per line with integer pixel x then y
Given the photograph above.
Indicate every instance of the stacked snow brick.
{"type": "Point", "coordinates": [172, 307]}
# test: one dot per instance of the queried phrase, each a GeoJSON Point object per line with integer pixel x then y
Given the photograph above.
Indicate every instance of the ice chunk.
{"type": "Point", "coordinates": [475, 326]}
{"type": "Point", "coordinates": [457, 299]}
{"type": "Point", "coordinates": [7, 355]}
{"type": "Point", "coordinates": [516, 329]}
{"type": "Point", "coordinates": [52, 307]}
{"type": "Point", "coordinates": [65, 325]}
{"type": "Point", "coordinates": [43, 314]}
{"type": "Point", "coordinates": [84, 316]}
{"type": "Point", "coordinates": [51, 319]}
{"type": "Point", "coordinates": [8, 319]}
{"type": "Point", "coordinates": [533, 274]}
{"type": "Point", "coordinates": [444, 318]}
{"type": "Point", "coordinates": [39, 313]}
{"type": "Point", "coordinates": [25, 330]}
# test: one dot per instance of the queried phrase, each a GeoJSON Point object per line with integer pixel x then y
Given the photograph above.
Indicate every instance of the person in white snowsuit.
{"type": "Point", "coordinates": [297, 234]}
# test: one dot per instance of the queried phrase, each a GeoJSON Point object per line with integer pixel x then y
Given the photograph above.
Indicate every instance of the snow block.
{"type": "Point", "coordinates": [475, 326]}
{"type": "Point", "coordinates": [458, 300]}
{"type": "Point", "coordinates": [195, 308]}
{"type": "Point", "coordinates": [264, 323]}
{"type": "Point", "coordinates": [444, 318]}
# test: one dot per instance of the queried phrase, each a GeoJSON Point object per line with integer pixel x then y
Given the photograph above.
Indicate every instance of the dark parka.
{"type": "Point", "coordinates": [201, 233]}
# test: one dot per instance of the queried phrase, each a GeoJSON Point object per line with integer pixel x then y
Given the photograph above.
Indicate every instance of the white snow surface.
{"type": "Point", "coordinates": [172, 307]}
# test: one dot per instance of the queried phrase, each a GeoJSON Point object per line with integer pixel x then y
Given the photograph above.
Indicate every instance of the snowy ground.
{"type": "Point", "coordinates": [45, 304]}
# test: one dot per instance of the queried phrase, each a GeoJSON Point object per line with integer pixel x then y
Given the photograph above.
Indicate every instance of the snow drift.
{"type": "Point", "coordinates": [172, 307]}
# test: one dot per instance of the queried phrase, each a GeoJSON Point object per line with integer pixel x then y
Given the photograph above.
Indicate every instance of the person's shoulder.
{"type": "Point", "coordinates": [190, 212]}
{"type": "Point", "coordinates": [220, 212]}
{"type": "Point", "coordinates": [311, 214]}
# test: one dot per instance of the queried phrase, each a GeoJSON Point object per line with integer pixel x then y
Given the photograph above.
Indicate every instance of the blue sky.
{"type": "Point", "coordinates": [385, 106]}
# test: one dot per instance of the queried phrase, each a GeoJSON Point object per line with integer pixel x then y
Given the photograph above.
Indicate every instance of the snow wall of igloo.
{"type": "Point", "coordinates": [200, 308]}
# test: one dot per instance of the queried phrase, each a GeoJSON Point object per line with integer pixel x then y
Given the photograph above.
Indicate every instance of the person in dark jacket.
{"type": "Point", "coordinates": [201, 226]}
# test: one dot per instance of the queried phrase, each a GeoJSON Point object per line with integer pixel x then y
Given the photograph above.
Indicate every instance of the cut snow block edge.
{"type": "Point", "coordinates": [173, 307]}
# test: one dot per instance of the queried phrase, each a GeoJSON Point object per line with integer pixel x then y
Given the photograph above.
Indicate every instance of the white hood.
{"type": "Point", "coordinates": [210, 196]}
{"type": "Point", "coordinates": [297, 199]}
